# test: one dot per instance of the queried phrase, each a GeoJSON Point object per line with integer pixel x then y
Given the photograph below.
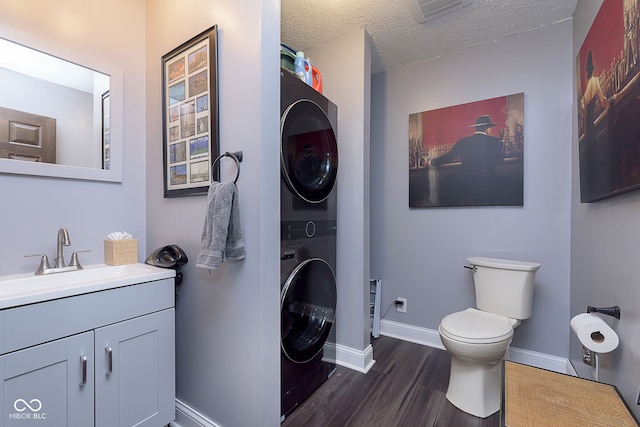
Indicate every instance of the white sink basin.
{"type": "Point", "coordinates": [29, 288]}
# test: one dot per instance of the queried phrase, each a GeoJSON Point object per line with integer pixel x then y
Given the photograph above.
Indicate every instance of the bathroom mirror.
{"type": "Point", "coordinates": [58, 118]}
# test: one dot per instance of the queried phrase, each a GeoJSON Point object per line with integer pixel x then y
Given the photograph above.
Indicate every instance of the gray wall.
{"type": "Point", "coordinates": [345, 64]}
{"type": "Point", "coordinates": [227, 322]}
{"type": "Point", "coordinates": [33, 208]}
{"type": "Point", "coordinates": [604, 259]}
{"type": "Point", "coordinates": [419, 253]}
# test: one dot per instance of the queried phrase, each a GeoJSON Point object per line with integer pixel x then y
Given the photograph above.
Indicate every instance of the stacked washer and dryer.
{"type": "Point", "coordinates": [309, 164]}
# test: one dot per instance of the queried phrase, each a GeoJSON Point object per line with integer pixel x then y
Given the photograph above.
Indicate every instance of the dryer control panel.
{"type": "Point", "coordinates": [294, 230]}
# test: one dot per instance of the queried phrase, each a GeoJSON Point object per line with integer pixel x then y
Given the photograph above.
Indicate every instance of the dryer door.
{"type": "Point", "coordinates": [307, 309]}
{"type": "Point", "coordinates": [308, 151]}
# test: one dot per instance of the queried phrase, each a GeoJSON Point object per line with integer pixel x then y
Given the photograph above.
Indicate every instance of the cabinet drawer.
{"type": "Point", "coordinates": [28, 325]}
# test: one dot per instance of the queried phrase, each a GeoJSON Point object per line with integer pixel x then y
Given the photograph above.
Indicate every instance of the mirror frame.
{"type": "Point", "coordinates": [115, 173]}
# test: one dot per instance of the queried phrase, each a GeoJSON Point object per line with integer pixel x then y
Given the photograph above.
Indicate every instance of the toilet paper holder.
{"type": "Point", "coordinates": [609, 311]}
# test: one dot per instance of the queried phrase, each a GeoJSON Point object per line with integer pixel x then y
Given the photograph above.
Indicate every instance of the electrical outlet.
{"type": "Point", "coordinates": [401, 305]}
{"type": "Point", "coordinates": [587, 356]}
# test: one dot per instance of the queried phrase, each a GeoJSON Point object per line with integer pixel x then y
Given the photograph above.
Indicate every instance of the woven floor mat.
{"type": "Point", "coordinates": [537, 397]}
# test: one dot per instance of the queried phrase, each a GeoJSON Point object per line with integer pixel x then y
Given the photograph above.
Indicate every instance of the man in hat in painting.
{"type": "Point", "coordinates": [478, 154]}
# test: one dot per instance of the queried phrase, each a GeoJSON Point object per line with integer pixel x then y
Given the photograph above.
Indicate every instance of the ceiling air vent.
{"type": "Point", "coordinates": [426, 10]}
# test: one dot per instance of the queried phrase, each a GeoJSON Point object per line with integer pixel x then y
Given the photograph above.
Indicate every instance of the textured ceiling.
{"type": "Point", "coordinates": [397, 38]}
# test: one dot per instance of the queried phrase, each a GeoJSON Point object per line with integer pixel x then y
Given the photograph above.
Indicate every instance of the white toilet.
{"type": "Point", "coordinates": [478, 338]}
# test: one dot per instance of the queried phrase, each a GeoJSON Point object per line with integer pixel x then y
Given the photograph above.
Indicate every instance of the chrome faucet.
{"type": "Point", "coordinates": [63, 240]}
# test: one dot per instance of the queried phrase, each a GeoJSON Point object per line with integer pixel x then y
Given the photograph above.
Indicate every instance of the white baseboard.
{"type": "Point", "coordinates": [541, 360]}
{"type": "Point", "coordinates": [411, 333]}
{"type": "Point", "coordinates": [431, 338]}
{"type": "Point", "coordinates": [351, 358]}
{"type": "Point", "coordinates": [186, 416]}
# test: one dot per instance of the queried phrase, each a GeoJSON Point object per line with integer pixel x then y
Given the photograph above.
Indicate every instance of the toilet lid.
{"type": "Point", "coordinates": [472, 325]}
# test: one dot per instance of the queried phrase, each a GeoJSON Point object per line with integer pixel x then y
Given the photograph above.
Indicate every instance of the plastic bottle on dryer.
{"type": "Point", "coordinates": [302, 68]}
{"type": "Point", "coordinates": [316, 79]}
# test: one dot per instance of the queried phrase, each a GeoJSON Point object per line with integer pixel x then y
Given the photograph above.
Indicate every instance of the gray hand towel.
{"type": "Point", "coordinates": [222, 232]}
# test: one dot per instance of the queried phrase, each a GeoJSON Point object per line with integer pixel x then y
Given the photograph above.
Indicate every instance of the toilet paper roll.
{"type": "Point", "coordinates": [594, 333]}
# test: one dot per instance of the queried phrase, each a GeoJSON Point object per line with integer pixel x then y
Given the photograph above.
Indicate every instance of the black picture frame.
{"type": "Point", "coordinates": [190, 115]}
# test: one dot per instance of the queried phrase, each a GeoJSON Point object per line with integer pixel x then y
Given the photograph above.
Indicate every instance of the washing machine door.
{"type": "Point", "coordinates": [308, 151]}
{"type": "Point", "coordinates": [307, 309]}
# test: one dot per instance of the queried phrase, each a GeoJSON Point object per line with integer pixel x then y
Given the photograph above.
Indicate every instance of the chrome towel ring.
{"type": "Point", "coordinates": [236, 156]}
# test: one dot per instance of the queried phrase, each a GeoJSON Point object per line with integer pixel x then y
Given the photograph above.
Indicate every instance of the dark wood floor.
{"type": "Point", "coordinates": [405, 387]}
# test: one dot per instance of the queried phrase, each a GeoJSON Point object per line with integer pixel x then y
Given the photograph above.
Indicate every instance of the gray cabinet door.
{"type": "Point", "coordinates": [135, 372]}
{"type": "Point", "coordinates": [49, 385]}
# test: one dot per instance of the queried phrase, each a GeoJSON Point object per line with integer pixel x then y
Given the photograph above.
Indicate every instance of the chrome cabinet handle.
{"type": "Point", "coordinates": [83, 362]}
{"type": "Point", "coordinates": [110, 357]}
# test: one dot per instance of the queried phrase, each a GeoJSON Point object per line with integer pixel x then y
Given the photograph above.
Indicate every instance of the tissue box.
{"type": "Point", "coordinates": [119, 252]}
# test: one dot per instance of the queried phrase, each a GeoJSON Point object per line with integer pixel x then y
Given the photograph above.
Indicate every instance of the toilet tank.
{"type": "Point", "coordinates": [504, 287]}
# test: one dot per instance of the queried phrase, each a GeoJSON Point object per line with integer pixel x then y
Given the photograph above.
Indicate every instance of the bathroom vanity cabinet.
{"type": "Point", "coordinates": [99, 359]}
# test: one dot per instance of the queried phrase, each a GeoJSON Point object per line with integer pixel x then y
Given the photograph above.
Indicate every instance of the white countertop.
{"type": "Point", "coordinates": [29, 288]}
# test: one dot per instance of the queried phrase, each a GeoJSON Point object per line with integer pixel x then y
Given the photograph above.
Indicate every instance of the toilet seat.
{"type": "Point", "coordinates": [476, 326]}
